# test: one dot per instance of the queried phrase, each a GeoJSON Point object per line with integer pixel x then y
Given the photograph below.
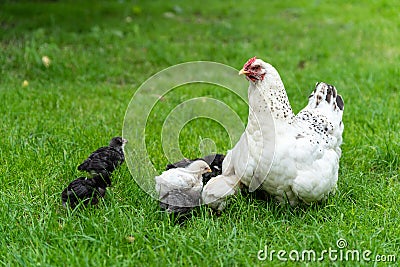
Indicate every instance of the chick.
{"type": "Point", "coordinates": [87, 190]}
{"type": "Point", "coordinates": [104, 160]}
{"type": "Point", "coordinates": [179, 189]}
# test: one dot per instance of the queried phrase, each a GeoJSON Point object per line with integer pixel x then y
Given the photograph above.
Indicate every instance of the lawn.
{"type": "Point", "coordinates": [102, 51]}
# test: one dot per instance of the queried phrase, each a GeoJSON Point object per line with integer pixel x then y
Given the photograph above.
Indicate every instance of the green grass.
{"type": "Point", "coordinates": [102, 51]}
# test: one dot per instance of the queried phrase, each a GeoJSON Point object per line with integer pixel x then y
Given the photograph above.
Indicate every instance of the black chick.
{"type": "Point", "coordinates": [104, 160]}
{"type": "Point", "coordinates": [213, 160]}
{"type": "Point", "coordinates": [88, 190]}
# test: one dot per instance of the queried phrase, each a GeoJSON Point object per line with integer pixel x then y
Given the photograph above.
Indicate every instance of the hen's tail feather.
{"type": "Point", "coordinates": [339, 102]}
{"type": "Point", "coordinates": [325, 94]}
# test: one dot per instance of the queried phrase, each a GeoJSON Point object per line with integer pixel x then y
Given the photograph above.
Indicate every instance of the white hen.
{"type": "Point", "coordinates": [179, 189]}
{"type": "Point", "coordinates": [291, 157]}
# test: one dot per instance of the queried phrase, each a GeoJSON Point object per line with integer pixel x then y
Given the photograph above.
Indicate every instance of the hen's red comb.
{"type": "Point", "coordinates": [249, 62]}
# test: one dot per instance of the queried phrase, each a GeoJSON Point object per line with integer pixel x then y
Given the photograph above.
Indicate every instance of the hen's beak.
{"type": "Point", "coordinates": [243, 71]}
{"type": "Point", "coordinates": [209, 170]}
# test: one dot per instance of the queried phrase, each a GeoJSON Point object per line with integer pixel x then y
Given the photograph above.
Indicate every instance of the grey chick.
{"type": "Point", "coordinates": [179, 189]}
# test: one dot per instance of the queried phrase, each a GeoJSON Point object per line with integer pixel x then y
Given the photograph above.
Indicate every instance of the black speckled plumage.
{"type": "Point", "coordinates": [104, 160]}
{"type": "Point", "coordinates": [214, 160]}
{"type": "Point", "coordinates": [87, 190]}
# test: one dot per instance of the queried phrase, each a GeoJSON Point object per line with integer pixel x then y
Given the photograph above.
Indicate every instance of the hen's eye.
{"type": "Point", "coordinates": [255, 68]}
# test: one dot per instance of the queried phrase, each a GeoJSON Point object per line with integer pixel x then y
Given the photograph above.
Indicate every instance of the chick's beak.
{"type": "Point", "coordinates": [209, 170]}
{"type": "Point", "coordinates": [243, 71]}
